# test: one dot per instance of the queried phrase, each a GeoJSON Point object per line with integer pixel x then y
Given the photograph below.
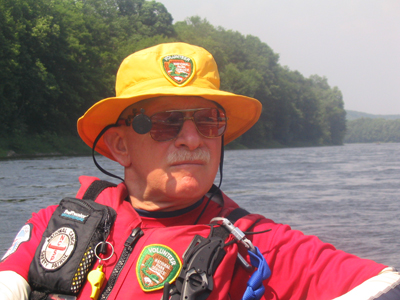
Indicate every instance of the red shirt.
{"type": "Point", "coordinates": [302, 266]}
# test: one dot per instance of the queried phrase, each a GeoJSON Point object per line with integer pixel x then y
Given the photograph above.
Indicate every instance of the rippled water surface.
{"type": "Point", "coordinates": [347, 195]}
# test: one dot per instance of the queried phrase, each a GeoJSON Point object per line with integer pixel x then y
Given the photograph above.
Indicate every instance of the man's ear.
{"type": "Point", "coordinates": [115, 140]}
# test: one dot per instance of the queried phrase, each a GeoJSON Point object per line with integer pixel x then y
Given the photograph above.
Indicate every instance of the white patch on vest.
{"type": "Point", "coordinates": [22, 236]}
{"type": "Point", "coordinates": [57, 248]}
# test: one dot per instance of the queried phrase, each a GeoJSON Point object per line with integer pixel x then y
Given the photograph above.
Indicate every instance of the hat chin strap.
{"type": "Point", "coordinates": [94, 146]}
{"type": "Point", "coordinates": [141, 124]}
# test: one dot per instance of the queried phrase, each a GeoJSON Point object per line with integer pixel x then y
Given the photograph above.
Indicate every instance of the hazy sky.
{"type": "Point", "coordinates": [354, 43]}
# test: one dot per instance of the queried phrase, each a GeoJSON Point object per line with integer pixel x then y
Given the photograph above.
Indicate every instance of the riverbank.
{"type": "Point", "coordinates": [50, 144]}
{"type": "Point", "coordinates": [42, 145]}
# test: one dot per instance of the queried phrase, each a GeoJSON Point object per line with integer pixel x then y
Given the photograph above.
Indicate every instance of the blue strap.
{"type": "Point", "coordinates": [255, 288]}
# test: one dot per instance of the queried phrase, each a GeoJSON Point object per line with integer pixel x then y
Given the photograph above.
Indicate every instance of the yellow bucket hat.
{"type": "Point", "coordinates": [172, 69]}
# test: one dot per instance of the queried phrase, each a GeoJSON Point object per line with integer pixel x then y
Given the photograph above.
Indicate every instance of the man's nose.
{"type": "Point", "coordinates": [189, 136]}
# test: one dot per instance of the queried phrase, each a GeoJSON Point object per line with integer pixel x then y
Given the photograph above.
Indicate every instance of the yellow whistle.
{"type": "Point", "coordinates": [96, 279]}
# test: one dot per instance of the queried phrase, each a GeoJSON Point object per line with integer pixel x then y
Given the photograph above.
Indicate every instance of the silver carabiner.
{"type": "Point", "coordinates": [235, 231]}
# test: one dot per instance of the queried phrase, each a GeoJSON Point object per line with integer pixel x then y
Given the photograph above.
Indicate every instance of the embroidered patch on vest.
{"type": "Point", "coordinates": [178, 69]}
{"type": "Point", "coordinates": [57, 248]}
{"type": "Point", "coordinates": [23, 235]}
{"type": "Point", "coordinates": [157, 264]}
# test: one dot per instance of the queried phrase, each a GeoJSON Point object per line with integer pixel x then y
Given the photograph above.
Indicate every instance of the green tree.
{"type": "Point", "coordinates": [332, 109]}
{"type": "Point", "coordinates": [296, 110]}
{"type": "Point", "coordinates": [9, 51]}
{"type": "Point", "coordinates": [62, 56]}
{"type": "Point", "coordinates": [368, 130]}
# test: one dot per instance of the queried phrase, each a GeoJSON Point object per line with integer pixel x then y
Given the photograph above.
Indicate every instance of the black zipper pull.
{"type": "Point", "coordinates": [106, 231]}
{"type": "Point", "coordinates": [129, 245]}
{"type": "Point", "coordinates": [136, 233]}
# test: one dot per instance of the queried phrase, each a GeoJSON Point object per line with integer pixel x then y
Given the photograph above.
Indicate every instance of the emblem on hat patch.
{"type": "Point", "coordinates": [157, 265]}
{"type": "Point", "coordinates": [178, 69]}
{"type": "Point", "coordinates": [57, 248]}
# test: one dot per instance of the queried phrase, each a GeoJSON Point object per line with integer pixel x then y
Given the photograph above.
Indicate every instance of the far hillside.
{"type": "Point", "coordinates": [353, 115]}
{"type": "Point", "coordinates": [369, 128]}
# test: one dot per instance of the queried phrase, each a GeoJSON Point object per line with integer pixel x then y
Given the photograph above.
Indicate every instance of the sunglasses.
{"type": "Point", "coordinates": [166, 125]}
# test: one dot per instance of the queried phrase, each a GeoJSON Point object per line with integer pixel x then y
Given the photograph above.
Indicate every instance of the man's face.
{"type": "Point", "coordinates": [164, 174]}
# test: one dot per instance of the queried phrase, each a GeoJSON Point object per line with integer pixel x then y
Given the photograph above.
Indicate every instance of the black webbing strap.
{"type": "Point", "coordinates": [236, 214]}
{"type": "Point", "coordinates": [95, 188]}
{"type": "Point", "coordinates": [36, 295]}
{"type": "Point", "coordinates": [215, 192]}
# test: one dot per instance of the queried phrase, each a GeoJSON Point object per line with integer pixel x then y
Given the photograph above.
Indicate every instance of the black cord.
{"type": "Point", "coordinates": [230, 243]}
{"type": "Point", "coordinates": [246, 233]}
{"type": "Point", "coordinates": [221, 165]}
{"type": "Point", "coordinates": [256, 232]}
{"type": "Point", "coordinates": [94, 146]}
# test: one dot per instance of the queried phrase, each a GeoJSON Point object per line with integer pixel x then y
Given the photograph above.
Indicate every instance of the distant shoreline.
{"type": "Point", "coordinates": [354, 115]}
{"type": "Point", "coordinates": [46, 145]}
{"type": "Point", "coordinates": [36, 147]}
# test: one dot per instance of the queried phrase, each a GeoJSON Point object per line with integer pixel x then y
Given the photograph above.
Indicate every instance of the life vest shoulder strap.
{"type": "Point", "coordinates": [237, 214]}
{"type": "Point", "coordinates": [95, 188]}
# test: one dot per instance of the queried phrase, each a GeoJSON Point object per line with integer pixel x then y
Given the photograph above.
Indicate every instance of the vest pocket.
{"type": "Point", "coordinates": [66, 252]}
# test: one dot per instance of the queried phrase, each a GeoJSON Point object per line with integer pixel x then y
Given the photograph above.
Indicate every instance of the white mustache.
{"type": "Point", "coordinates": [187, 155]}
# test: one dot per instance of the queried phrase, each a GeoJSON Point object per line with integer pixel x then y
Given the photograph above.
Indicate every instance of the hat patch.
{"type": "Point", "coordinates": [178, 69]}
{"type": "Point", "coordinates": [22, 236]}
{"type": "Point", "coordinates": [57, 248]}
{"type": "Point", "coordinates": [157, 265]}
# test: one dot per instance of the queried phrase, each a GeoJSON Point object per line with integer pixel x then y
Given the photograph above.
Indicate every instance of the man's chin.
{"type": "Point", "coordinates": [192, 190]}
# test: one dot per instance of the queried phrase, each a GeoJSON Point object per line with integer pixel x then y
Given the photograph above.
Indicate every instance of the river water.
{"type": "Point", "coordinates": [346, 195]}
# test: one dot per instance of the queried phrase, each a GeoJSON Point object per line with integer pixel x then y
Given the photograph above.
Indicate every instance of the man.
{"type": "Point", "coordinates": [150, 237]}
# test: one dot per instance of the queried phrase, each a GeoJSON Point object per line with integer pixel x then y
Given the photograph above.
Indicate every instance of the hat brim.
{"type": "Point", "coordinates": [242, 112]}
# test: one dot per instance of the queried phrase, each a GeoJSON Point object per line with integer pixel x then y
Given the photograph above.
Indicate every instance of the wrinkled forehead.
{"type": "Point", "coordinates": [158, 104]}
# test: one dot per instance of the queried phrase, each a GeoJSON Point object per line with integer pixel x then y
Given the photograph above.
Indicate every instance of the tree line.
{"type": "Point", "coordinates": [368, 130]}
{"type": "Point", "coordinates": [58, 57]}
{"type": "Point", "coordinates": [353, 115]}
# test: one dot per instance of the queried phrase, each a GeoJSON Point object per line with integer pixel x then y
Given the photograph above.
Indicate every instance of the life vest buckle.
{"type": "Point", "coordinates": [201, 259]}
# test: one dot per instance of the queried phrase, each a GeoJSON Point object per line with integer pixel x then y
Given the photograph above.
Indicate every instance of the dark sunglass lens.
{"type": "Point", "coordinates": [166, 125]}
{"type": "Point", "coordinates": [210, 122]}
